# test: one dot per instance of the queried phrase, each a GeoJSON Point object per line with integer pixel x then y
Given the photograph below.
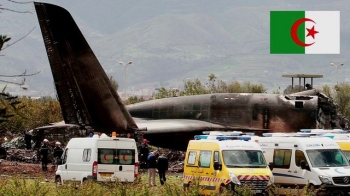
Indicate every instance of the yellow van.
{"type": "Point", "coordinates": [343, 141]}
{"type": "Point", "coordinates": [226, 164]}
{"type": "Point", "coordinates": [345, 147]}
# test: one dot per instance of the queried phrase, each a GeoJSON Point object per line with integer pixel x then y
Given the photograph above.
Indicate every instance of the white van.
{"type": "Point", "coordinates": [299, 160]}
{"type": "Point", "coordinates": [99, 159]}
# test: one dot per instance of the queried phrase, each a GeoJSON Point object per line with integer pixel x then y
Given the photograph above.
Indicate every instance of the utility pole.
{"type": "Point", "coordinates": [125, 68]}
{"type": "Point", "coordinates": [337, 66]}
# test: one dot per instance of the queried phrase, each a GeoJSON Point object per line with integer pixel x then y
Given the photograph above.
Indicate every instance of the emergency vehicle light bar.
{"type": "Point", "coordinates": [221, 138]}
{"type": "Point", "coordinates": [323, 131]}
{"type": "Point", "coordinates": [275, 135]}
{"type": "Point", "coordinates": [227, 133]}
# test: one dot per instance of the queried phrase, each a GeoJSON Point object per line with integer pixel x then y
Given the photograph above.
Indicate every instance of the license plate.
{"type": "Point", "coordinates": [105, 175]}
{"type": "Point", "coordinates": [258, 191]}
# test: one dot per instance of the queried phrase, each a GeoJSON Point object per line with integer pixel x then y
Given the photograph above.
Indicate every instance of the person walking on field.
{"type": "Point", "coordinates": [152, 165]}
{"type": "Point", "coordinates": [162, 167]}
{"type": "Point", "coordinates": [44, 151]}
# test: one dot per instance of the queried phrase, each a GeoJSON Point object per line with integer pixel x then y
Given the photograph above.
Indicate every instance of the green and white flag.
{"type": "Point", "coordinates": [304, 32]}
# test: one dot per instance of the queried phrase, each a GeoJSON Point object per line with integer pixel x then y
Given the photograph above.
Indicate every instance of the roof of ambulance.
{"type": "Point", "coordinates": [231, 144]}
{"type": "Point", "coordinates": [288, 139]}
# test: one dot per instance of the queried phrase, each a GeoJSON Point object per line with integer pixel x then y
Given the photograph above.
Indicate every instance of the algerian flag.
{"type": "Point", "coordinates": [304, 32]}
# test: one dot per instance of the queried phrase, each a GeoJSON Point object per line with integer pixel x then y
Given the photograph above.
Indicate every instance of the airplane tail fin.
{"type": "Point", "coordinates": [84, 90]}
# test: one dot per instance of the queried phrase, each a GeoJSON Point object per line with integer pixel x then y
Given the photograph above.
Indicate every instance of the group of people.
{"type": "Point", "coordinates": [44, 153]}
{"type": "Point", "coordinates": [154, 162]}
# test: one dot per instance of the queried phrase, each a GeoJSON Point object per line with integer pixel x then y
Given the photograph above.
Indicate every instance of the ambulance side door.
{"type": "Point", "coordinates": [281, 166]}
{"type": "Point", "coordinates": [192, 166]}
{"type": "Point", "coordinates": [206, 169]}
{"type": "Point", "coordinates": [296, 171]}
{"type": "Point", "coordinates": [216, 174]}
{"type": "Point", "coordinates": [65, 175]}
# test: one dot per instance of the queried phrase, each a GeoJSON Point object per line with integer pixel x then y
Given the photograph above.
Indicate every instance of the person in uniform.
{"type": "Point", "coordinates": [57, 153]}
{"type": "Point", "coordinates": [44, 151]}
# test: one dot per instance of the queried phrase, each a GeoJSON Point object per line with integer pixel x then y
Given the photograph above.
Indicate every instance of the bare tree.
{"type": "Point", "coordinates": [6, 100]}
{"type": "Point", "coordinates": [2, 8]}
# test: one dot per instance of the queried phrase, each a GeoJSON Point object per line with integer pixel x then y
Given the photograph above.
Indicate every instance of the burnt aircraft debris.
{"type": "Point", "coordinates": [56, 132]}
{"type": "Point", "coordinates": [22, 155]}
{"type": "Point", "coordinates": [178, 118]}
{"type": "Point", "coordinates": [88, 99]}
{"type": "Point", "coordinates": [15, 150]}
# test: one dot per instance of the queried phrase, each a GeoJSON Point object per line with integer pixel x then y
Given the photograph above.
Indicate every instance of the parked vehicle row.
{"type": "Point", "coordinates": [295, 161]}
{"type": "Point", "coordinates": [223, 161]}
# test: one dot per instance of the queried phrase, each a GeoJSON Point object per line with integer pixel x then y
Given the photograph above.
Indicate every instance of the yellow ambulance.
{"type": "Point", "coordinates": [219, 164]}
{"type": "Point", "coordinates": [343, 141]}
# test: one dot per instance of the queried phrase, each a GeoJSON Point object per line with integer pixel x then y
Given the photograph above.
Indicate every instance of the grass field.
{"type": "Point", "coordinates": [174, 187]}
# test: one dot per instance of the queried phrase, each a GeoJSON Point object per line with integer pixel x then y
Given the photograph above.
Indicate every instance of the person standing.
{"type": "Point", "coordinates": [57, 153]}
{"type": "Point", "coordinates": [28, 139]}
{"type": "Point", "coordinates": [44, 151]}
{"type": "Point", "coordinates": [162, 167]}
{"type": "Point", "coordinates": [152, 165]}
{"type": "Point", "coordinates": [144, 152]}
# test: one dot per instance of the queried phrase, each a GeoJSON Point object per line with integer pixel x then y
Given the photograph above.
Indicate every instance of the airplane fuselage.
{"type": "Point", "coordinates": [238, 111]}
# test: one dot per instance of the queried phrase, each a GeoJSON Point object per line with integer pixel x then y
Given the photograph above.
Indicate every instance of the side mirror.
{"type": "Point", "coordinates": [303, 165]}
{"type": "Point", "coordinates": [271, 166]}
{"type": "Point", "coordinates": [217, 165]}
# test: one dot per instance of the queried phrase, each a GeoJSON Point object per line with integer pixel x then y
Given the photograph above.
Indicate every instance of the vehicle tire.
{"type": "Point", "coordinates": [228, 187]}
{"type": "Point", "coordinates": [58, 180]}
{"type": "Point", "coordinates": [187, 188]}
{"type": "Point", "coordinates": [85, 180]}
{"type": "Point", "coordinates": [221, 189]}
{"type": "Point", "coordinates": [311, 190]}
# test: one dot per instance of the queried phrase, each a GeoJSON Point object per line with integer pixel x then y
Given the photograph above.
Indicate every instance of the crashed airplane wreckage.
{"type": "Point", "coordinates": [88, 99]}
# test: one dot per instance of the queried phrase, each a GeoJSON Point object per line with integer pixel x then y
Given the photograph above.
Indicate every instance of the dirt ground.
{"type": "Point", "coordinates": [29, 170]}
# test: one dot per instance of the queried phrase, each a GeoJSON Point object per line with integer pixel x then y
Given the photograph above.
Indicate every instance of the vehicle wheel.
{"type": "Point", "coordinates": [187, 187]}
{"type": "Point", "coordinates": [229, 187]}
{"type": "Point", "coordinates": [221, 189]}
{"type": "Point", "coordinates": [85, 180]}
{"type": "Point", "coordinates": [58, 180]}
{"type": "Point", "coordinates": [311, 190]}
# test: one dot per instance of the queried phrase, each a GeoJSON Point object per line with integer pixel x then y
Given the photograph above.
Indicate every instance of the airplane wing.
{"type": "Point", "coordinates": [175, 125]}
{"type": "Point", "coordinates": [184, 125]}
{"type": "Point", "coordinates": [57, 125]}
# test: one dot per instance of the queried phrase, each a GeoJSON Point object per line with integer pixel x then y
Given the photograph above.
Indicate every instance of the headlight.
{"type": "Point", "coordinates": [326, 179]}
{"type": "Point", "coordinates": [234, 178]}
{"type": "Point", "coordinates": [272, 179]}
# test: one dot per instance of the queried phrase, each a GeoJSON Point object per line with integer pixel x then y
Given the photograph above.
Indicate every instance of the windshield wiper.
{"type": "Point", "coordinates": [237, 166]}
{"type": "Point", "coordinates": [256, 166]}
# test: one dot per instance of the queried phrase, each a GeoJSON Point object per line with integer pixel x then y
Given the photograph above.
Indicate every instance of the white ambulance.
{"type": "Point", "coordinates": [98, 159]}
{"type": "Point", "coordinates": [298, 161]}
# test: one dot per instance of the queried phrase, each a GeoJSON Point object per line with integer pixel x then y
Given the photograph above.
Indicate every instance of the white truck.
{"type": "Point", "coordinates": [98, 159]}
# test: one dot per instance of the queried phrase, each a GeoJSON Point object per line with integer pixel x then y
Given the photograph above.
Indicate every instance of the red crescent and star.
{"type": "Point", "coordinates": [310, 32]}
{"type": "Point", "coordinates": [105, 157]}
{"type": "Point", "coordinates": [124, 157]}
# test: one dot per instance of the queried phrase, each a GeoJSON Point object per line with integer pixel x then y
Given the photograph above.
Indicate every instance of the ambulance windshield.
{"type": "Point", "coordinates": [327, 158]}
{"type": "Point", "coordinates": [244, 158]}
{"type": "Point", "coordinates": [347, 154]}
